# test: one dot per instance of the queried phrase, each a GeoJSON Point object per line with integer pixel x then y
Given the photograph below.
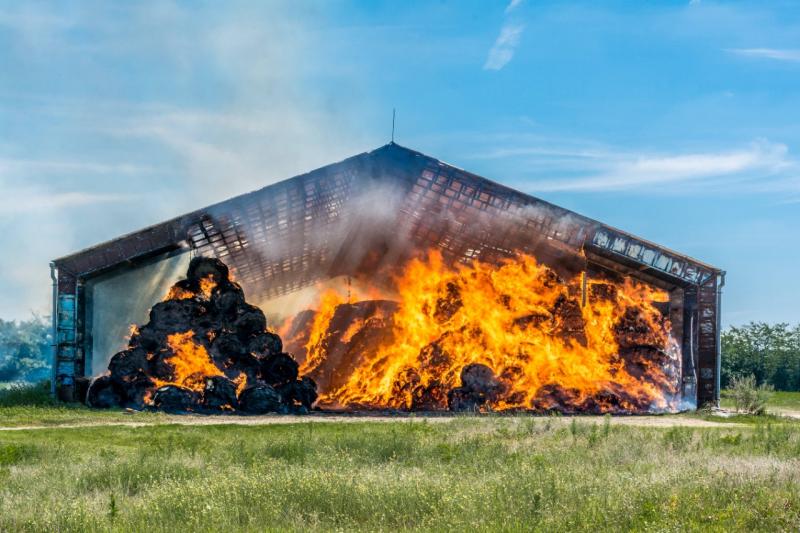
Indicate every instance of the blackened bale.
{"type": "Point", "coordinates": [260, 399]}
{"type": "Point", "coordinates": [227, 347]}
{"type": "Point", "coordinates": [462, 400]}
{"type": "Point", "coordinates": [265, 345]}
{"type": "Point", "coordinates": [251, 322]}
{"type": "Point", "coordinates": [203, 267]}
{"type": "Point", "coordinates": [127, 365]}
{"type": "Point", "coordinates": [219, 393]}
{"type": "Point", "coordinates": [302, 392]}
{"type": "Point", "coordinates": [103, 394]}
{"type": "Point", "coordinates": [480, 379]}
{"type": "Point", "coordinates": [279, 369]}
{"type": "Point", "coordinates": [176, 315]}
{"type": "Point", "coordinates": [174, 399]}
{"type": "Point", "coordinates": [228, 301]}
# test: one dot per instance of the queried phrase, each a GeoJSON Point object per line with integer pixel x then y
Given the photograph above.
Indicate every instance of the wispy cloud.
{"type": "Point", "coordinates": [754, 167]}
{"type": "Point", "coordinates": [506, 44]}
{"type": "Point", "coordinates": [514, 4]}
{"type": "Point", "coordinates": [761, 166]}
{"type": "Point", "coordinates": [24, 167]}
{"type": "Point", "coordinates": [33, 200]}
{"type": "Point", "coordinates": [778, 54]}
{"type": "Point", "coordinates": [504, 47]}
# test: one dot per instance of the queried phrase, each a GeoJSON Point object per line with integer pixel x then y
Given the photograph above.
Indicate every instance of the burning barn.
{"type": "Point", "coordinates": [389, 280]}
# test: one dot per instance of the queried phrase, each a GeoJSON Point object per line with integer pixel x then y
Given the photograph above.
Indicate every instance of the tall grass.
{"type": "Point", "coordinates": [26, 394]}
{"type": "Point", "coordinates": [515, 473]}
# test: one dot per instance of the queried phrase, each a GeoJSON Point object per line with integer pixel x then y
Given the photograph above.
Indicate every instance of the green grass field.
{"type": "Point", "coordinates": [467, 473]}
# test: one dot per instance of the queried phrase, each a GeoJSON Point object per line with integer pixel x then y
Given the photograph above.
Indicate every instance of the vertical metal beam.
{"type": "Point", "coordinates": [53, 331]}
{"type": "Point", "coordinates": [707, 341]}
{"type": "Point", "coordinates": [66, 353]}
{"type": "Point", "coordinates": [719, 334]}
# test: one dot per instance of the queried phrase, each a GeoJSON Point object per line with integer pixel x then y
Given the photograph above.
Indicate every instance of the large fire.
{"type": "Point", "coordinates": [476, 337]}
{"type": "Point", "coordinates": [482, 336]}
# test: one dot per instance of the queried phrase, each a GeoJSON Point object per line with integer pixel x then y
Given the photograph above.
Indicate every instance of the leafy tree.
{"type": "Point", "coordinates": [24, 349]}
{"type": "Point", "coordinates": [768, 352]}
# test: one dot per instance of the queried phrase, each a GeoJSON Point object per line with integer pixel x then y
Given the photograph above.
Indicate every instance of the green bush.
{"type": "Point", "coordinates": [750, 398]}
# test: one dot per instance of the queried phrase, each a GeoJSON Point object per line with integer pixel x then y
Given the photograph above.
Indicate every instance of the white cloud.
{"type": "Point", "coordinates": [777, 54]}
{"type": "Point", "coordinates": [762, 164]}
{"type": "Point", "coordinates": [33, 200]}
{"type": "Point", "coordinates": [512, 5]}
{"type": "Point", "coordinates": [25, 167]}
{"type": "Point", "coordinates": [504, 47]}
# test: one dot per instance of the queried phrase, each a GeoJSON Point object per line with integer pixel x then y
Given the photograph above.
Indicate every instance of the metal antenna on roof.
{"type": "Point", "coordinates": [393, 115]}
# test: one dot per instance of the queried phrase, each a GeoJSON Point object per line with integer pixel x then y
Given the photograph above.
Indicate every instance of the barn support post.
{"type": "Point", "coordinates": [53, 330]}
{"type": "Point", "coordinates": [719, 333]}
{"type": "Point", "coordinates": [65, 336]}
{"type": "Point", "coordinates": [708, 348]}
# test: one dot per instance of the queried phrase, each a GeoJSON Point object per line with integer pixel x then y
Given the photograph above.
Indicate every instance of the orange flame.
{"type": "Point", "coordinates": [520, 320]}
{"type": "Point", "coordinates": [207, 285]}
{"type": "Point", "coordinates": [191, 363]}
{"type": "Point", "coordinates": [315, 347]}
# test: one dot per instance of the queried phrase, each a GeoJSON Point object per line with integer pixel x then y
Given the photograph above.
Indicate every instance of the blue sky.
{"type": "Point", "coordinates": [676, 121]}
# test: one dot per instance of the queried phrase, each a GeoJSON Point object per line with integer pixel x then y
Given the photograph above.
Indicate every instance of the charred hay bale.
{"type": "Point", "coordinates": [265, 344]}
{"type": "Point", "coordinates": [134, 391]}
{"type": "Point", "coordinates": [448, 303]}
{"type": "Point", "coordinates": [479, 378]}
{"type": "Point", "coordinates": [602, 292]}
{"type": "Point", "coordinates": [554, 397]}
{"type": "Point", "coordinates": [463, 400]}
{"type": "Point", "coordinates": [175, 315]}
{"type": "Point", "coordinates": [407, 380]}
{"type": "Point", "coordinates": [127, 365]}
{"type": "Point", "coordinates": [227, 347]}
{"type": "Point", "coordinates": [228, 299]}
{"type": "Point", "coordinates": [633, 329]}
{"type": "Point", "coordinates": [203, 267]}
{"type": "Point", "coordinates": [219, 393]}
{"type": "Point", "coordinates": [159, 365]}
{"type": "Point", "coordinates": [260, 399]}
{"type": "Point", "coordinates": [248, 364]}
{"type": "Point", "coordinates": [278, 369]}
{"type": "Point", "coordinates": [434, 358]}
{"type": "Point", "coordinates": [568, 318]}
{"type": "Point", "coordinates": [184, 288]}
{"type": "Point", "coordinates": [432, 397]}
{"type": "Point", "coordinates": [103, 394]}
{"type": "Point", "coordinates": [301, 392]}
{"type": "Point", "coordinates": [611, 399]}
{"type": "Point", "coordinates": [147, 338]}
{"type": "Point", "coordinates": [640, 360]}
{"type": "Point", "coordinates": [175, 399]}
{"type": "Point", "coordinates": [251, 322]}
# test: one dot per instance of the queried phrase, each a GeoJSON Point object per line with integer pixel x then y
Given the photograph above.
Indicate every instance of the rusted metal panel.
{"type": "Point", "coordinates": [652, 256]}
{"type": "Point", "coordinates": [707, 342]}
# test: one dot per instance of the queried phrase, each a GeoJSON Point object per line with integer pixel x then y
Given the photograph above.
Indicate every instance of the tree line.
{"type": "Point", "coordinates": [768, 352]}
{"type": "Point", "coordinates": [25, 349]}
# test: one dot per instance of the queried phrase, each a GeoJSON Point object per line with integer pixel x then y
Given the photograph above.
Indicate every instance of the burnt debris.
{"type": "Point", "coordinates": [205, 349]}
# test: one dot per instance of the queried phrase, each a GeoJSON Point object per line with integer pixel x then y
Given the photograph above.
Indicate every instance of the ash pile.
{"type": "Point", "coordinates": [206, 350]}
